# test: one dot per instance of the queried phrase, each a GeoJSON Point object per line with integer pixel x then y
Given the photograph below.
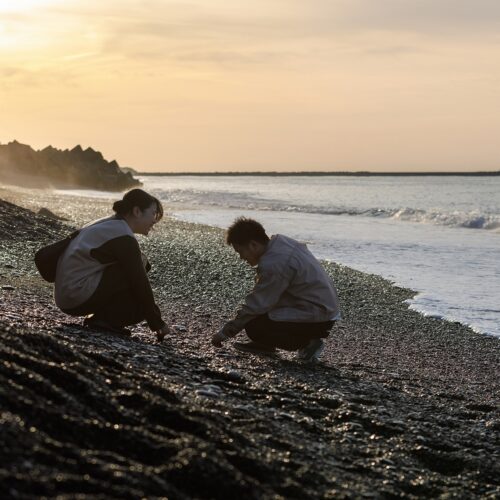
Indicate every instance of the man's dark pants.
{"type": "Point", "coordinates": [284, 334]}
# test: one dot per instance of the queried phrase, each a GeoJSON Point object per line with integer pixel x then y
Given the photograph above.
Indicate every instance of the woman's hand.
{"type": "Point", "coordinates": [218, 338]}
{"type": "Point", "coordinates": [160, 334]}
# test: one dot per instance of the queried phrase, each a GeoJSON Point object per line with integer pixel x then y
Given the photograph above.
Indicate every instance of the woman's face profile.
{"type": "Point", "coordinates": [143, 220]}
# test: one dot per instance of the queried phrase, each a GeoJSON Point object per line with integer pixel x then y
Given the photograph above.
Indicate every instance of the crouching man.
{"type": "Point", "coordinates": [294, 302]}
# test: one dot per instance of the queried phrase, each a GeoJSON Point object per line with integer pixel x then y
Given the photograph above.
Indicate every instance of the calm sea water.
{"type": "Point", "coordinates": [439, 236]}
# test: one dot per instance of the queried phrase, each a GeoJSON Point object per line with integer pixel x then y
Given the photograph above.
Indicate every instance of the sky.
{"type": "Point", "coordinates": [256, 85]}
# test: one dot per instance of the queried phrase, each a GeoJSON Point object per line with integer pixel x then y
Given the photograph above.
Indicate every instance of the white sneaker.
{"type": "Point", "coordinates": [312, 351]}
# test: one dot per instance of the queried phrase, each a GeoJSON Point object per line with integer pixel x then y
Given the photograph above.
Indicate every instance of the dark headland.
{"type": "Point", "coordinates": [403, 406]}
{"type": "Point", "coordinates": [21, 165]}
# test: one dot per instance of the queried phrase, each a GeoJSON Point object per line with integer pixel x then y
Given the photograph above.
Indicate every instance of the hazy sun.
{"type": "Point", "coordinates": [21, 5]}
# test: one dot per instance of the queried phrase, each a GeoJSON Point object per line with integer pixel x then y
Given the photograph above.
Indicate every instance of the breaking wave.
{"type": "Point", "coordinates": [244, 201]}
{"type": "Point", "coordinates": [471, 220]}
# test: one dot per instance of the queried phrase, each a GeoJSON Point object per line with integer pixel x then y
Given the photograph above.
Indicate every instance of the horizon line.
{"type": "Point", "coordinates": [325, 173]}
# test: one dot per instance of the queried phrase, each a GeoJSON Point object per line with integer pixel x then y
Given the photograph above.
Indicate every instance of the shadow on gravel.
{"type": "Point", "coordinates": [83, 422]}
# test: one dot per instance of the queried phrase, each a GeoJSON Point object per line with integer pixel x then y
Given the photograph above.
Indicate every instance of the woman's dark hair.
{"type": "Point", "coordinates": [244, 230]}
{"type": "Point", "coordinates": [137, 198]}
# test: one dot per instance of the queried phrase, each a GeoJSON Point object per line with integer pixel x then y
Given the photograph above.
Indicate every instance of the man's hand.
{"type": "Point", "coordinates": [226, 332]}
{"type": "Point", "coordinates": [160, 334]}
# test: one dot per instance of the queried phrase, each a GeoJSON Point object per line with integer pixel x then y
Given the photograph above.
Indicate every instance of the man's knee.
{"type": "Point", "coordinates": [257, 330]}
{"type": "Point", "coordinates": [255, 334]}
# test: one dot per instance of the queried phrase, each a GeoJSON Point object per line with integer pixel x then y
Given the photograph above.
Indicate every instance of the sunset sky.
{"type": "Point", "coordinates": [207, 85]}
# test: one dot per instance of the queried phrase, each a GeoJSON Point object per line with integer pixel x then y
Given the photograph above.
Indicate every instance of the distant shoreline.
{"type": "Point", "coordinates": [324, 174]}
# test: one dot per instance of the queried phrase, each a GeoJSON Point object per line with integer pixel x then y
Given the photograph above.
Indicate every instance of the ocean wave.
{"type": "Point", "coordinates": [245, 201]}
{"type": "Point", "coordinates": [470, 220]}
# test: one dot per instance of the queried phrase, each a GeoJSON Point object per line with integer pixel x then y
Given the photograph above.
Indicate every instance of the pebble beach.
{"type": "Point", "coordinates": [401, 406]}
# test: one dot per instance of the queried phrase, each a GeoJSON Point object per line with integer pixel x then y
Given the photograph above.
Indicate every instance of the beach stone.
{"type": "Point", "coordinates": [209, 390]}
{"type": "Point", "coordinates": [208, 394]}
{"type": "Point", "coordinates": [8, 287]}
{"type": "Point", "coordinates": [179, 328]}
{"type": "Point", "coordinates": [244, 407]}
{"type": "Point", "coordinates": [235, 376]}
{"type": "Point", "coordinates": [211, 387]}
{"type": "Point", "coordinates": [286, 416]}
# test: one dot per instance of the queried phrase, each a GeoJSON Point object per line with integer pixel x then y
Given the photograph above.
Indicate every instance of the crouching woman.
{"type": "Point", "coordinates": [102, 272]}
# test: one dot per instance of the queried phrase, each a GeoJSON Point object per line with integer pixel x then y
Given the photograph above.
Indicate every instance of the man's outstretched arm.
{"type": "Point", "coordinates": [268, 289]}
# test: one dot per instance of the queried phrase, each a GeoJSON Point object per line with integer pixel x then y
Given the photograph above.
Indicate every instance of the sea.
{"type": "Point", "coordinates": [437, 235]}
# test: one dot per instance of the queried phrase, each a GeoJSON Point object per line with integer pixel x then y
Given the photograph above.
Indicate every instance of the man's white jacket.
{"type": "Point", "coordinates": [291, 285]}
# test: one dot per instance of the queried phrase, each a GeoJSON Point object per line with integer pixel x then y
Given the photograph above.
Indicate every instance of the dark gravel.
{"type": "Point", "coordinates": [403, 406]}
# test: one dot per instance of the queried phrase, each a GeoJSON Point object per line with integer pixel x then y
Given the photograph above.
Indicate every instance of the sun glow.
{"type": "Point", "coordinates": [22, 5]}
{"type": "Point", "coordinates": [211, 84]}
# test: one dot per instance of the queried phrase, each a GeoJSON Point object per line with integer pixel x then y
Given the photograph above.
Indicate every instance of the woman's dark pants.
{"type": "Point", "coordinates": [285, 335]}
{"type": "Point", "coordinates": [112, 302]}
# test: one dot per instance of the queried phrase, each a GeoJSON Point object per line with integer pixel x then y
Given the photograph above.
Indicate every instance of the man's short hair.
{"type": "Point", "coordinates": [244, 230]}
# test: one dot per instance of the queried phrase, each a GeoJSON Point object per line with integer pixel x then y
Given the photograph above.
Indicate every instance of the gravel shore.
{"type": "Point", "coordinates": [401, 406]}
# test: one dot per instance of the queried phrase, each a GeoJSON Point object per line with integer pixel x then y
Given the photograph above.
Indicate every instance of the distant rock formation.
{"type": "Point", "coordinates": [50, 167]}
{"type": "Point", "coordinates": [129, 169]}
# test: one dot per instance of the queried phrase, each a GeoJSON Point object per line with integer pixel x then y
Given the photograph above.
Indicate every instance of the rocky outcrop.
{"type": "Point", "coordinates": [130, 169]}
{"type": "Point", "coordinates": [70, 168]}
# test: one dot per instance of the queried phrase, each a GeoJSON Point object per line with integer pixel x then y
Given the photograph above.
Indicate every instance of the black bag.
{"type": "Point", "coordinates": [46, 258]}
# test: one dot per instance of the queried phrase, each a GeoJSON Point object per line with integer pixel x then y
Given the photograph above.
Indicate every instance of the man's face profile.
{"type": "Point", "coordinates": [250, 252]}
